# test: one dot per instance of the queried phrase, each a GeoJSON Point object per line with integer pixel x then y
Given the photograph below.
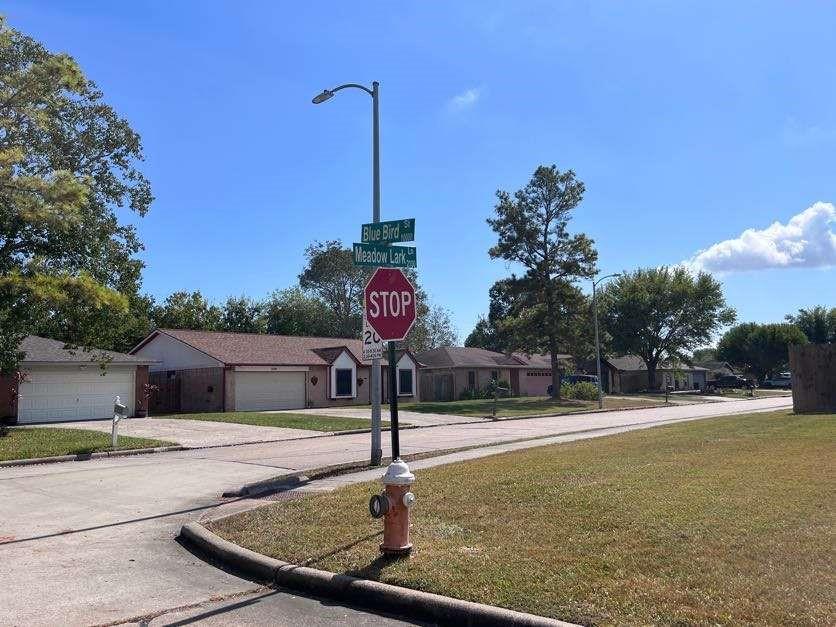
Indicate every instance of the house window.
{"type": "Point", "coordinates": [344, 379]}
{"type": "Point", "coordinates": [405, 382]}
{"type": "Point", "coordinates": [471, 379]}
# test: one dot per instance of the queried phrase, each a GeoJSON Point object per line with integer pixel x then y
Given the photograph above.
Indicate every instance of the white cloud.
{"type": "Point", "coordinates": [465, 100]}
{"type": "Point", "coordinates": [806, 241]}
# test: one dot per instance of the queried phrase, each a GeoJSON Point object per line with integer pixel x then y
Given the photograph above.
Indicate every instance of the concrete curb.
{"type": "Point", "coordinates": [86, 456]}
{"type": "Point", "coordinates": [405, 602]}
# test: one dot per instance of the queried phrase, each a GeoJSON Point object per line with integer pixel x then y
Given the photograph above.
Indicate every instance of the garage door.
{"type": "Point", "coordinates": [58, 394]}
{"type": "Point", "coordinates": [261, 391]}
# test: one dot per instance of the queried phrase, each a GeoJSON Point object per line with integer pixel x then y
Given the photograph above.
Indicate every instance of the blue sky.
{"type": "Point", "coordinates": [689, 123]}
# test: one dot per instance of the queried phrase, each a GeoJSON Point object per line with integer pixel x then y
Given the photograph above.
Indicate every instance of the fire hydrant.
{"type": "Point", "coordinates": [393, 506]}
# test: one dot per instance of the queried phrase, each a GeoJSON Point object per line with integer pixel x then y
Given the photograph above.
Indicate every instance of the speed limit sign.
{"type": "Point", "coordinates": [372, 344]}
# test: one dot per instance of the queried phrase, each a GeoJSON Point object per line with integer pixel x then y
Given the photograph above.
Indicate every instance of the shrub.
{"type": "Point", "coordinates": [581, 391]}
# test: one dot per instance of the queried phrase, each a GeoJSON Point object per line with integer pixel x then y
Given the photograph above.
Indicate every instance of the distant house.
{"type": "Point", "coordinates": [450, 371]}
{"type": "Point", "coordinates": [216, 371]}
{"type": "Point", "coordinates": [59, 384]}
{"type": "Point", "coordinates": [716, 368]}
{"type": "Point", "coordinates": [629, 374]}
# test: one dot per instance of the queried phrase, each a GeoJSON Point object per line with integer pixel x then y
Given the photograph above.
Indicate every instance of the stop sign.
{"type": "Point", "coordinates": [390, 304]}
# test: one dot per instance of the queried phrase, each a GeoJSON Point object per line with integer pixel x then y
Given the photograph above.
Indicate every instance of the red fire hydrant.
{"type": "Point", "coordinates": [393, 506]}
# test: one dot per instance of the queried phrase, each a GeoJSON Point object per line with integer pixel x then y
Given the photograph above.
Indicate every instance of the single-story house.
{"type": "Point", "coordinates": [57, 384]}
{"type": "Point", "coordinates": [218, 371]}
{"type": "Point", "coordinates": [450, 371]}
{"type": "Point", "coordinates": [537, 376]}
{"type": "Point", "coordinates": [716, 369]}
{"type": "Point", "coordinates": [629, 374]}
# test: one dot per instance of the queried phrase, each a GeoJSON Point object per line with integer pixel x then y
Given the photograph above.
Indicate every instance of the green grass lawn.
{"type": "Point", "coordinates": [525, 405]}
{"type": "Point", "coordinates": [311, 422]}
{"type": "Point", "coordinates": [46, 442]}
{"type": "Point", "coordinates": [719, 521]}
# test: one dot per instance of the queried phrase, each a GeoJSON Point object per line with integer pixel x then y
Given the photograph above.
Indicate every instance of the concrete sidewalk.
{"type": "Point", "coordinates": [416, 418]}
{"type": "Point", "coordinates": [92, 542]}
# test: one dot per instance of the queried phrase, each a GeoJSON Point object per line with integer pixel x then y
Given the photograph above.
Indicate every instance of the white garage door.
{"type": "Point", "coordinates": [260, 391]}
{"type": "Point", "coordinates": [58, 394]}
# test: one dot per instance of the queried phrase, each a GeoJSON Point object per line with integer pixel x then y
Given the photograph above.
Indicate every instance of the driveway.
{"type": "Point", "coordinates": [93, 542]}
{"type": "Point", "coordinates": [192, 433]}
{"type": "Point", "coordinates": [419, 419]}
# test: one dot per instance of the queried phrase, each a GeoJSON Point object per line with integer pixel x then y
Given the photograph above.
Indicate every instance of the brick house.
{"type": "Point", "coordinates": [59, 384]}
{"type": "Point", "coordinates": [218, 371]}
{"type": "Point", "coordinates": [450, 371]}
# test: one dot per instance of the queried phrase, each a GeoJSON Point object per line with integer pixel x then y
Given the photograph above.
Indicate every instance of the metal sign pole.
{"type": "Point", "coordinates": [393, 402]}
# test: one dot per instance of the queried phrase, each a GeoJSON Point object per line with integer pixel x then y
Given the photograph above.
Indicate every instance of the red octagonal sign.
{"type": "Point", "coordinates": [390, 304]}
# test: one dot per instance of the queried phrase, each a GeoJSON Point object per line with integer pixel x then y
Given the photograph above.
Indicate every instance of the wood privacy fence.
{"type": "Point", "coordinates": [813, 369]}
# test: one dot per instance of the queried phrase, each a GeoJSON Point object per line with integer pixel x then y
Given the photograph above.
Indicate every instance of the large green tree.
{"type": "Point", "coordinates": [663, 313]}
{"type": "Point", "coordinates": [331, 276]}
{"type": "Point", "coordinates": [532, 231]}
{"type": "Point", "coordinates": [188, 310]}
{"type": "Point", "coordinates": [243, 315]}
{"type": "Point", "coordinates": [67, 161]}
{"type": "Point", "coordinates": [294, 312]}
{"type": "Point", "coordinates": [817, 323]}
{"type": "Point", "coordinates": [762, 349]}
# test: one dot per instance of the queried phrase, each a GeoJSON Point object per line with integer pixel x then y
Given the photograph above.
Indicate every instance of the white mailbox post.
{"type": "Point", "coordinates": [119, 412]}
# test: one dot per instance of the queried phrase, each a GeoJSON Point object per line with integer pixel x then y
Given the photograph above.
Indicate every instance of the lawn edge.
{"type": "Point", "coordinates": [81, 457]}
{"type": "Point", "coordinates": [364, 592]}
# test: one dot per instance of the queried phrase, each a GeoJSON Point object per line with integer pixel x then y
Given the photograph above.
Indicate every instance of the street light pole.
{"type": "Point", "coordinates": [374, 92]}
{"type": "Point", "coordinates": [597, 343]}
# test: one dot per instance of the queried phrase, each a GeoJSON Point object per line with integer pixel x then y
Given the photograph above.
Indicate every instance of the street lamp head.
{"type": "Point", "coordinates": [326, 94]}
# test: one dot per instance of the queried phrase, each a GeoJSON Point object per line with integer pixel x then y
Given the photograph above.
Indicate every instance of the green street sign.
{"type": "Point", "coordinates": [375, 255]}
{"type": "Point", "coordinates": [388, 232]}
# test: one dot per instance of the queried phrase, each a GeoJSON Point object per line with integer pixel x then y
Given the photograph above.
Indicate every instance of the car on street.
{"type": "Point", "coordinates": [730, 382]}
{"type": "Point", "coordinates": [782, 380]}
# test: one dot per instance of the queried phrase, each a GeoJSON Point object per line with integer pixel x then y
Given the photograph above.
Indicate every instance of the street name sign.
{"type": "Point", "coordinates": [372, 344]}
{"type": "Point", "coordinates": [389, 304]}
{"type": "Point", "coordinates": [377, 255]}
{"type": "Point", "coordinates": [388, 232]}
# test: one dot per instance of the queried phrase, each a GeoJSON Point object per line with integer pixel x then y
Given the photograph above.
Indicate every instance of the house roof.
{"type": "Point", "coordinates": [716, 366]}
{"type": "Point", "coordinates": [467, 357]}
{"type": "Point", "coordinates": [258, 349]}
{"type": "Point", "coordinates": [41, 350]}
{"type": "Point", "coordinates": [634, 362]}
{"type": "Point", "coordinates": [541, 360]}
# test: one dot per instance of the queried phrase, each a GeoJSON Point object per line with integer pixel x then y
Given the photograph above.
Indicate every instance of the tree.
{"type": "Point", "coordinates": [484, 335]}
{"type": "Point", "coordinates": [817, 323]}
{"type": "Point", "coordinates": [663, 313]}
{"type": "Point", "coordinates": [185, 310]}
{"type": "Point", "coordinates": [67, 160]}
{"type": "Point", "coordinates": [532, 231]}
{"type": "Point", "coordinates": [704, 354]}
{"type": "Point", "coordinates": [293, 312]}
{"type": "Point", "coordinates": [243, 315]}
{"type": "Point", "coordinates": [433, 328]}
{"type": "Point", "coordinates": [762, 349]}
{"type": "Point", "coordinates": [332, 276]}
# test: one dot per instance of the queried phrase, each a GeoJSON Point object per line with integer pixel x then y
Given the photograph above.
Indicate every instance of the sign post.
{"type": "Point", "coordinates": [390, 308]}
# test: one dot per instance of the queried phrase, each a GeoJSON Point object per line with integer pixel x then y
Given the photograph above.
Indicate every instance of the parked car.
{"type": "Point", "coordinates": [782, 380]}
{"type": "Point", "coordinates": [730, 381]}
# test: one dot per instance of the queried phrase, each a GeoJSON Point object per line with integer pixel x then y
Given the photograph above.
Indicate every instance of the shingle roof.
{"type": "Point", "coordinates": [466, 357]}
{"type": "Point", "coordinates": [43, 350]}
{"type": "Point", "coordinates": [258, 349]}
{"type": "Point", "coordinates": [542, 360]}
{"type": "Point", "coordinates": [634, 362]}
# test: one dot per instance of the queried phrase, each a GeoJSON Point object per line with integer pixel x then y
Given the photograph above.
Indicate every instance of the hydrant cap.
{"type": "Point", "coordinates": [398, 474]}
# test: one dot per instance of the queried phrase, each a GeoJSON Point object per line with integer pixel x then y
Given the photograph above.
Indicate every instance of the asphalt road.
{"type": "Point", "coordinates": [93, 542]}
